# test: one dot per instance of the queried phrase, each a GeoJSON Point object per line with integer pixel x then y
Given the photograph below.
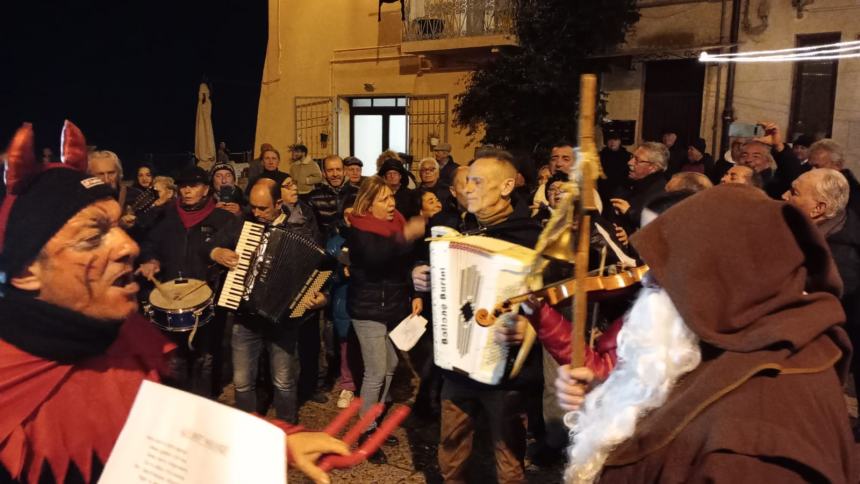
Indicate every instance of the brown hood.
{"type": "Point", "coordinates": [736, 264]}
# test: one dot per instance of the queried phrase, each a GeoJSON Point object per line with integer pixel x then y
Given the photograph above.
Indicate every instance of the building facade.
{"type": "Point", "coordinates": [357, 77]}
{"type": "Point", "coordinates": [656, 80]}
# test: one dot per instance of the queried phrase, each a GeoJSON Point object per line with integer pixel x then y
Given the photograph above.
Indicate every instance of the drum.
{"type": "Point", "coordinates": [180, 305]}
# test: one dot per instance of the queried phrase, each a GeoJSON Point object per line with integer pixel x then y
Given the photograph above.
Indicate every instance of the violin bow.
{"type": "Point", "coordinates": [588, 170]}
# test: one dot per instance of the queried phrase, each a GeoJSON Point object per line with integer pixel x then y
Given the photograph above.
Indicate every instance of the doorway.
{"type": "Point", "coordinates": [673, 99]}
{"type": "Point", "coordinates": [376, 124]}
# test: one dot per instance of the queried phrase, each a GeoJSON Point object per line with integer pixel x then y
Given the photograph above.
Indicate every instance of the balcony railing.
{"type": "Point", "coordinates": [449, 19]}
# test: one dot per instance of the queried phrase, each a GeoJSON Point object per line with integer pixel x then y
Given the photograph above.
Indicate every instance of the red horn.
{"type": "Point", "coordinates": [74, 147]}
{"type": "Point", "coordinates": [20, 159]}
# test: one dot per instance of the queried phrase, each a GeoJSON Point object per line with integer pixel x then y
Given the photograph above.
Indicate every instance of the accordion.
{"type": "Point", "coordinates": [277, 275]}
{"type": "Point", "coordinates": [469, 276]}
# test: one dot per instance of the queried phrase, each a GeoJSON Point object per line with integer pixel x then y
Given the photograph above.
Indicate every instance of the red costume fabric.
{"type": "Point", "coordinates": [553, 331]}
{"type": "Point", "coordinates": [63, 414]}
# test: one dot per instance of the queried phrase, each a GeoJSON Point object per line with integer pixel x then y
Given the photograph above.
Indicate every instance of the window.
{"type": "Point", "coordinates": [814, 90]}
{"type": "Point", "coordinates": [377, 124]}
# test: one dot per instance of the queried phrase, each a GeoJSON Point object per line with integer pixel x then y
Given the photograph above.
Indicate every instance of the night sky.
{"type": "Point", "coordinates": [127, 72]}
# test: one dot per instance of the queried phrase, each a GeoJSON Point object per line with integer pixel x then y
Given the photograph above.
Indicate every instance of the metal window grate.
{"type": "Point", "coordinates": [437, 19]}
{"type": "Point", "coordinates": [314, 126]}
{"type": "Point", "coordinates": [428, 119]}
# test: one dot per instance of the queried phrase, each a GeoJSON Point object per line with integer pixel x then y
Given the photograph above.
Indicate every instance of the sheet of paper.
{"type": "Point", "coordinates": [408, 332]}
{"type": "Point", "coordinates": [175, 437]}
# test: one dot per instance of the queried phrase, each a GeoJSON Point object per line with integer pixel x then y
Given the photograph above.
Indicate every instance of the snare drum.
{"type": "Point", "coordinates": [180, 305]}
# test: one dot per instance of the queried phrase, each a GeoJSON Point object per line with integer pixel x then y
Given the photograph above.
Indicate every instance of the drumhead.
{"type": "Point", "coordinates": [187, 293]}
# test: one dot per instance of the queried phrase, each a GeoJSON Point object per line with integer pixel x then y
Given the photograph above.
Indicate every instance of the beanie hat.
{"type": "Point", "coordinates": [699, 144]}
{"type": "Point", "coordinates": [41, 198]}
{"type": "Point", "coordinates": [804, 140]}
{"type": "Point", "coordinates": [222, 166]}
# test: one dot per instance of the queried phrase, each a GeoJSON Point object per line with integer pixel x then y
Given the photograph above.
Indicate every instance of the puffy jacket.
{"type": "Point", "coordinates": [380, 284]}
{"type": "Point", "coordinates": [329, 203]}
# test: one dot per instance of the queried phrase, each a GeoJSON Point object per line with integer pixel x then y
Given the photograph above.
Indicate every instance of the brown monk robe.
{"type": "Point", "coordinates": [766, 402]}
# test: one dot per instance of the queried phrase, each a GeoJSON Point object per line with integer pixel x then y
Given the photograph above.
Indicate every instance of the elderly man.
{"type": "Point", "coordinates": [352, 166]}
{"type": "Point", "coordinates": [822, 194]}
{"type": "Point", "coordinates": [330, 199]}
{"type": "Point", "coordinates": [304, 170]}
{"type": "Point", "coordinates": [743, 175]}
{"type": "Point", "coordinates": [407, 200]}
{"type": "Point", "coordinates": [648, 179]}
{"type": "Point", "coordinates": [255, 167]}
{"type": "Point", "coordinates": [107, 166]}
{"type": "Point", "coordinates": [769, 157]}
{"type": "Point", "coordinates": [730, 377]}
{"type": "Point", "coordinates": [428, 172]}
{"type": "Point", "coordinates": [442, 154]}
{"type": "Point", "coordinates": [490, 182]}
{"type": "Point", "coordinates": [827, 153]}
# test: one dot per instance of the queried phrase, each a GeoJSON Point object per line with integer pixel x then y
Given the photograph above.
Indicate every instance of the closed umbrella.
{"type": "Point", "coordinates": [204, 136]}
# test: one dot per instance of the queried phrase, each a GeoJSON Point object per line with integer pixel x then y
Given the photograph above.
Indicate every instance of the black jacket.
{"type": "Point", "coordinates": [641, 193]}
{"type": "Point", "coordinates": [787, 170]}
{"type": "Point", "coordinates": [519, 229]}
{"type": "Point", "coordinates": [446, 173]}
{"type": "Point", "coordinates": [328, 204]}
{"type": "Point", "coordinates": [615, 168]}
{"type": "Point", "coordinates": [407, 201]}
{"type": "Point", "coordinates": [187, 251]}
{"type": "Point", "coordinates": [380, 272]}
{"type": "Point", "coordinates": [845, 247]}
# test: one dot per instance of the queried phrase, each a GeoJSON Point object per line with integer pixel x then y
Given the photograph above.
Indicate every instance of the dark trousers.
{"type": "Point", "coordinates": [309, 354]}
{"type": "Point", "coordinates": [461, 405]}
{"type": "Point", "coordinates": [192, 369]}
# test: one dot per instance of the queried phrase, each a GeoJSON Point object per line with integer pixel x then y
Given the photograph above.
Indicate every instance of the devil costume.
{"type": "Point", "coordinates": [67, 381]}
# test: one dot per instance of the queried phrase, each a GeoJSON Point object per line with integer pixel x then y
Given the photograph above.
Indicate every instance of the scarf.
{"type": "Point", "coordinates": [384, 228]}
{"type": "Point", "coordinates": [497, 217]}
{"type": "Point", "coordinates": [52, 332]}
{"type": "Point", "coordinates": [193, 216]}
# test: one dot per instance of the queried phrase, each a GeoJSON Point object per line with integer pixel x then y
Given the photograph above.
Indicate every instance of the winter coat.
{"type": "Point", "coordinates": [380, 283]}
{"type": "Point", "coordinates": [186, 251]}
{"type": "Point", "coordinates": [328, 204]}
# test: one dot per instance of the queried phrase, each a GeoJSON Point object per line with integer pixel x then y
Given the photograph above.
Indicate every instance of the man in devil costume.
{"type": "Point", "coordinates": [73, 349]}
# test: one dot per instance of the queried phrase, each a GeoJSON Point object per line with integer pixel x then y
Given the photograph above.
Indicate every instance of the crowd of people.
{"type": "Point", "coordinates": [375, 229]}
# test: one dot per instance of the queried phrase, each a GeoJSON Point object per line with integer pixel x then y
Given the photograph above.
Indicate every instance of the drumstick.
{"type": "Point", "coordinates": [159, 286]}
{"type": "Point", "coordinates": [183, 296]}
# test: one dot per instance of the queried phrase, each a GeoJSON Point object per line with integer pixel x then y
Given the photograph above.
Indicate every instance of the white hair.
{"type": "Point", "coordinates": [429, 161]}
{"type": "Point", "coordinates": [831, 187]}
{"type": "Point", "coordinates": [110, 155]}
{"type": "Point", "coordinates": [655, 348]}
{"type": "Point", "coordinates": [659, 154]}
{"type": "Point", "coordinates": [834, 149]}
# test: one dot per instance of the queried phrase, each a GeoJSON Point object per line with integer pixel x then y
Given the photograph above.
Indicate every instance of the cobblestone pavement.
{"type": "Point", "coordinates": [413, 459]}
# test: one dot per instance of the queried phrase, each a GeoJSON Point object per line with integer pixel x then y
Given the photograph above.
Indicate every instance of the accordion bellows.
{"type": "Point", "coordinates": [471, 275]}
{"type": "Point", "coordinates": [278, 273]}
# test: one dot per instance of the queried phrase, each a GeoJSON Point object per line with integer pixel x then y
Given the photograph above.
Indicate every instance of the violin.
{"type": "Point", "coordinates": [562, 290]}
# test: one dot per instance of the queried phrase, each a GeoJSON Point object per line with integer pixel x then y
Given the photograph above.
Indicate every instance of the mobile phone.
{"type": "Point", "coordinates": [226, 194]}
{"type": "Point", "coordinates": [746, 130]}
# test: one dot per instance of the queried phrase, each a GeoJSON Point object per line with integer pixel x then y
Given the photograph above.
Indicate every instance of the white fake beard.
{"type": "Point", "coordinates": [655, 348]}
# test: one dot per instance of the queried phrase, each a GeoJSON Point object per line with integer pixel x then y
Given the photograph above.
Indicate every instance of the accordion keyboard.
{"type": "Point", "coordinates": [234, 285]}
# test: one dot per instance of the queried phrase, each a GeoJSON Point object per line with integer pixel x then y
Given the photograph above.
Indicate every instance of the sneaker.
{"type": "Point", "coordinates": [345, 398]}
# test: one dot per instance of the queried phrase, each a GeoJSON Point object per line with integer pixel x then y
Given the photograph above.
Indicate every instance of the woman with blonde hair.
{"type": "Point", "coordinates": [380, 290]}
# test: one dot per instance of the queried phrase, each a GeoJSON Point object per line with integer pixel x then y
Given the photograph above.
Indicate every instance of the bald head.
{"type": "Point", "coordinates": [265, 200]}
{"type": "Point", "coordinates": [491, 180]}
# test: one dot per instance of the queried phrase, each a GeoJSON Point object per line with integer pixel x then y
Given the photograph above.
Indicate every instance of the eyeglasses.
{"type": "Point", "coordinates": [288, 185]}
{"type": "Point", "coordinates": [638, 160]}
